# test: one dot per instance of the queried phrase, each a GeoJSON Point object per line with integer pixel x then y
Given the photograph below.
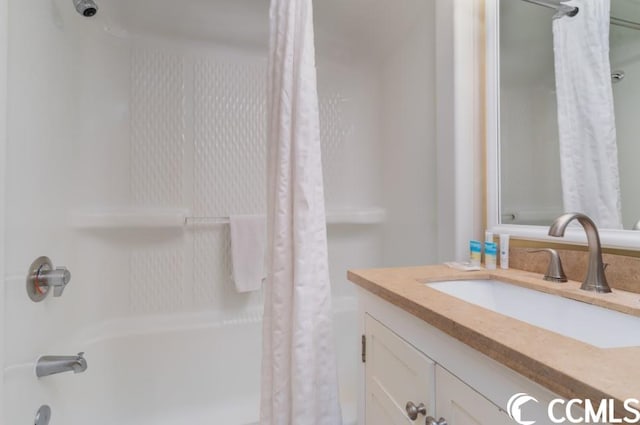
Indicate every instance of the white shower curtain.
{"type": "Point", "coordinates": [588, 150]}
{"type": "Point", "coordinates": [299, 377]}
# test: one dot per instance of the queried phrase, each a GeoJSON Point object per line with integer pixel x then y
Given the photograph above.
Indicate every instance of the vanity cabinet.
{"type": "Point", "coordinates": [408, 360]}
{"type": "Point", "coordinates": [396, 373]}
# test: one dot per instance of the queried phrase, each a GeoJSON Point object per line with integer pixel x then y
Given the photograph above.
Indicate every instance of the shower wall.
{"type": "Point", "coordinates": [529, 146]}
{"type": "Point", "coordinates": [121, 125]}
{"type": "Point", "coordinates": [43, 87]}
{"type": "Point", "coordinates": [625, 45]}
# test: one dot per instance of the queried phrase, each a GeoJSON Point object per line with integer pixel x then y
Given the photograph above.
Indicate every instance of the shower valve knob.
{"type": "Point", "coordinates": [42, 277]}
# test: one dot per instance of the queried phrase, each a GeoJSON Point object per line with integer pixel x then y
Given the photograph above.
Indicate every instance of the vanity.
{"type": "Point", "coordinates": [486, 353]}
{"type": "Point", "coordinates": [464, 362]}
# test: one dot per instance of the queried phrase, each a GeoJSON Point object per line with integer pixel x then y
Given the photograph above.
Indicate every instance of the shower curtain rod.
{"type": "Point", "coordinates": [558, 6]}
{"type": "Point", "coordinates": [570, 9]}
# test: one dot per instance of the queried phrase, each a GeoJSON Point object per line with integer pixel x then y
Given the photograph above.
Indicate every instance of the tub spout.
{"type": "Point", "coordinates": [51, 365]}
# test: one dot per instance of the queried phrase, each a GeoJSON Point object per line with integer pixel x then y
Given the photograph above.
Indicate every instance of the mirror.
{"type": "Point", "coordinates": [528, 153]}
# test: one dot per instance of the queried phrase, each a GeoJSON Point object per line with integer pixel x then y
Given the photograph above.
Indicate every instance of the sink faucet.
{"type": "Point", "coordinates": [637, 225]}
{"type": "Point", "coordinates": [51, 365]}
{"type": "Point", "coordinates": [596, 279]}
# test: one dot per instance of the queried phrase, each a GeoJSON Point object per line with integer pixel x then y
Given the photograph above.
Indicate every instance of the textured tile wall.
{"type": "Point", "coordinates": [157, 128]}
{"type": "Point", "coordinates": [198, 128]}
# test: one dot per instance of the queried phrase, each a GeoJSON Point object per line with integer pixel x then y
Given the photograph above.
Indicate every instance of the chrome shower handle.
{"type": "Point", "coordinates": [57, 279]}
{"type": "Point", "coordinates": [42, 277]}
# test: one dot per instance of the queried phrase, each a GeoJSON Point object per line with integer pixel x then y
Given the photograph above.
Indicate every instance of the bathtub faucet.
{"type": "Point", "coordinates": [51, 365]}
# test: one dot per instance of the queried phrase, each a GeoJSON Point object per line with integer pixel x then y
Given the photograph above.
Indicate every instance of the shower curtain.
{"type": "Point", "coordinates": [299, 377]}
{"type": "Point", "coordinates": [586, 121]}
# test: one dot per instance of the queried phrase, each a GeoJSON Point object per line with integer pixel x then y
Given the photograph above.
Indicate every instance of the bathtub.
{"type": "Point", "coordinates": [192, 369]}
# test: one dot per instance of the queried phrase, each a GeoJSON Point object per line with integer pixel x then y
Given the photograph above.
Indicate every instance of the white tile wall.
{"type": "Point", "coordinates": [200, 121]}
{"type": "Point", "coordinates": [157, 128]}
{"type": "Point", "coordinates": [157, 282]}
{"type": "Point", "coordinates": [229, 138]}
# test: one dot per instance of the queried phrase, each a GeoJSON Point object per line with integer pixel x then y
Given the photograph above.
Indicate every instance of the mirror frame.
{"type": "Point", "coordinates": [610, 238]}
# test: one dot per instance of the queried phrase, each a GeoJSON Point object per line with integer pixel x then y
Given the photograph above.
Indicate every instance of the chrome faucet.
{"type": "Point", "coordinates": [596, 279]}
{"type": "Point", "coordinates": [51, 365]}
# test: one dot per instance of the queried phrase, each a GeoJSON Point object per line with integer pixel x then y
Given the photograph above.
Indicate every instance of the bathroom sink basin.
{"type": "Point", "coordinates": [588, 323]}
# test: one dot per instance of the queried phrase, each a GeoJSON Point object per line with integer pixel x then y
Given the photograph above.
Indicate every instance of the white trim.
{"type": "Point", "coordinates": [445, 129]}
{"type": "Point", "coordinates": [492, 38]}
{"type": "Point", "coordinates": [458, 133]}
{"type": "Point", "coordinates": [465, 139]}
{"type": "Point", "coordinates": [618, 239]}
{"type": "Point", "coordinates": [4, 41]}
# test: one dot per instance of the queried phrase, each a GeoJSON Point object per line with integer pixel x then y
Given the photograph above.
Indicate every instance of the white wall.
{"type": "Point", "coordinates": [408, 128]}
{"type": "Point", "coordinates": [4, 34]}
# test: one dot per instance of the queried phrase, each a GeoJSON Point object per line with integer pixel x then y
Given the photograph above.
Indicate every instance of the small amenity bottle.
{"type": "Point", "coordinates": [476, 253]}
{"type": "Point", "coordinates": [504, 251]}
{"type": "Point", "coordinates": [490, 253]}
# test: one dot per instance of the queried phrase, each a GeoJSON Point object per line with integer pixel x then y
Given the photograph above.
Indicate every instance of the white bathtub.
{"type": "Point", "coordinates": [191, 369]}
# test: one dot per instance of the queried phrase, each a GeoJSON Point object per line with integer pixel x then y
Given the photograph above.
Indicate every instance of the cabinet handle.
{"type": "Point", "coordinates": [413, 411]}
{"type": "Point", "coordinates": [432, 421]}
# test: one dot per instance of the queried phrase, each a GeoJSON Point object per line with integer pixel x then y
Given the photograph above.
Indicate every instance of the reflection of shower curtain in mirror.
{"type": "Point", "coordinates": [586, 121]}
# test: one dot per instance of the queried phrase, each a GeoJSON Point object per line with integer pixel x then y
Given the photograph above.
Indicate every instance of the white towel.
{"type": "Point", "coordinates": [247, 251]}
{"type": "Point", "coordinates": [586, 122]}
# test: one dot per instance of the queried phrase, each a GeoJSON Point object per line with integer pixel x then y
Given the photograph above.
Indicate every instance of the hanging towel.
{"type": "Point", "coordinates": [586, 121]}
{"type": "Point", "coordinates": [299, 377]}
{"type": "Point", "coordinates": [248, 235]}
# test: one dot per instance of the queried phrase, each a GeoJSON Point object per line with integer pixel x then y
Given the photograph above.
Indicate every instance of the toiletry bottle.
{"type": "Point", "coordinates": [490, 253]}
{"type": "Point", "coordinates": [476, 252]}
{"type": "Point", "coordinates": [488, 237]}
{"type": "Point", "coordinates": [504, 251]}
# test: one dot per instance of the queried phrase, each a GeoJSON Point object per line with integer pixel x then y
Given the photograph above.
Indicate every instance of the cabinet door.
{"type": "Point", "coordinates": [395, 373]}
{"type": "Point", "coordinates": [459, 404]}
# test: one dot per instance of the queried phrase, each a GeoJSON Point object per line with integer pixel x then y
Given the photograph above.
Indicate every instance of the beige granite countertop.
{"type": "Point", "coordinates": [568, 367]}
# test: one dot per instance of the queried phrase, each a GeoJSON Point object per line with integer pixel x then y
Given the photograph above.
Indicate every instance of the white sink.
{"type": "Point", "coordinates": [585, 322]}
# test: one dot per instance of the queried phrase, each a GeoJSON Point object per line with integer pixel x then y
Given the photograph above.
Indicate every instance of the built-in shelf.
{"type": "Point", "coordinates": [178, 218]}
{"type": "Point", "coordinates": [129, 218]}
